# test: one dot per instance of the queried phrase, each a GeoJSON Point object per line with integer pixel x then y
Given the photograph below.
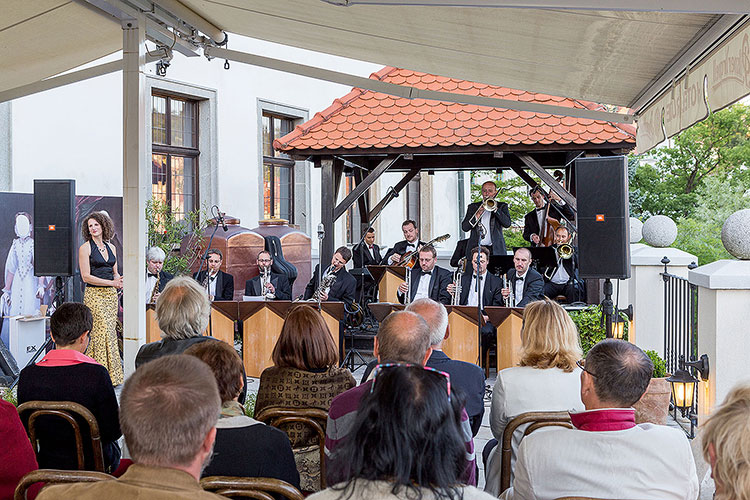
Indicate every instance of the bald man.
{"type": "Point", "coordinates": [526, 285]}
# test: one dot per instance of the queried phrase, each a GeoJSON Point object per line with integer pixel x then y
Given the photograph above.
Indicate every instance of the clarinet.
{"type": "Point", "coordinates": [407, 298]}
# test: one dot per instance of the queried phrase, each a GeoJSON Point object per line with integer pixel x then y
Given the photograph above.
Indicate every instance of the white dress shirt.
{"type": "Point", "coordinates": [150, 284]}
{"type": "Point", "coordinates": [561, 276]}
{"type": "Point", "coordinates": [212, 285]}
{"type": "Point", "coordinates": [472, 300]}
{"type": "Point", "coordinates": [541, 220]}
{"type": "Point", "coordinates": [423, 288]}
{"type": "Point", "coordinates": [518, 289]}
{"type": "Point", "coordinates": [485, 221]}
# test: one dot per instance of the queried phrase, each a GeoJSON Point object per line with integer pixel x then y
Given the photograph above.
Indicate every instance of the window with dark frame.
{"type": "Point", "coordinates": [174, 152]}
{"type": "Point", "coordinates": [278, 170]}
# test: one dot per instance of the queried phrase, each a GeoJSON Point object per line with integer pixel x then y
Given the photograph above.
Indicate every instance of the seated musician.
{"type": "Point", "coordinates": [489, 291]}
{"type": "Point", "coordinates": [427, 279]}
{"type": "Point", "coordinates": [493, 222]}
{"type": "Point", "coordinates": [156, 277]}
{"type": "Point", "coordinates": [276, 288]}
{"type": "Point", "coordinates": [564, 280]}
{"type": "Point", "coordinates": [535, 223]}
{"type": "Point", "coordinates": [341, 284]}
{"type": "Point", "coordinates": [364, 255]}
{"type": "Point", "coordinates": [410, 243]}
{"type": "Point", "coordinates": [220, 284]}
{"type": "Point", "coordinates": [526, 285]}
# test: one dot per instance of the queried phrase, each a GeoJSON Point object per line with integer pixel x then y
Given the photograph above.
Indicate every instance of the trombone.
{"type": "Point", "coordinates": [489, 205]}
{"type": "Point", "coordinates": [564, 251]}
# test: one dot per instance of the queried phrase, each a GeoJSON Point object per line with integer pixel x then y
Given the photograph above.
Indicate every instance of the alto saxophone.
{"type": "Point", "coordinates": [155, 291]}
{"type": "Point", "coordinates": [457, 275]}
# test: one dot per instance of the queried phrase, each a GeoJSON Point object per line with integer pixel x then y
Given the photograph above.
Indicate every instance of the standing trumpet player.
{"type": "Point", "coordinates": [156, 277]}
{"type": "Point", "coordinates": [493, 221]}
{"type": "Point", "coordinates": [274, 287]}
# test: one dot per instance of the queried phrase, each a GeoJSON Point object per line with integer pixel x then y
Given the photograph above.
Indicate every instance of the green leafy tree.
{"type": "Point", "coordinates": [167, 233]}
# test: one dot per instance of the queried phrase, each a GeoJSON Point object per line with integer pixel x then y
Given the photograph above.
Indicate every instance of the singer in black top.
{"type": "Point", "coordinates": [492, 222]}
{"type": "Point", "coordinates": [278, 286]}
{"type": "Point", "coordinates": [220, 284]}
{"type": "Point", "coordinates": [427, 279]}
{"type": "Point", "coordinates": [343, 285]}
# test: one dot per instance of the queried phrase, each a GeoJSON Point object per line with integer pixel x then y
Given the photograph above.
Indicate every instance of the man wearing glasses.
{"type": "Point", "coordinates": [606, 455]}
{"type": "Point", "coordinates": [275, 288]}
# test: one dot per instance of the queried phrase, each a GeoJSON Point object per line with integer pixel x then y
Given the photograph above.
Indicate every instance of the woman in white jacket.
{"type": "Point", "coordinates": [546, 380]}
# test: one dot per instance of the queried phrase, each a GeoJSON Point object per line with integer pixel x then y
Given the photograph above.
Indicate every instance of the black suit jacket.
{"type": "Point", "coordinates": [459, 252]}
{"type": "Point", "coordinates": [533, 286]}
{"type": "Point", "coordinates": [399, 248]}
{"type": "Point", "coordinates": [556, 211]}
{"type": "Point", "coordinates": [570, 265]}
{"type": "Point", "coordinates": [439, 282]}
{"type": "Point", "coordinates": [368, 260]}
{"type": "Point", "coordinates": [279, 281]}
{"type": "Point", "coordinates": [343, 288]}
{"type": "Point", "coordinates": [467, 378]}
{"type": "Point", "coordinates": [491, 295]}
{"type": "Point", "coordinates": [224, 284]}
{"type": "Point", "coordinates": [499, 219]}
{"type": "Point", "coordinates": [164, 278]}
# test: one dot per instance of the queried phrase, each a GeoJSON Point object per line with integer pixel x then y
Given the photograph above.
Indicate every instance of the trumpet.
{"type": "Point", "coordinates": [457, 274]}
{"type": "Point", "coordinates": [489, 205]}
{"type": "Point", "coordinates": [510, 300]}
{"type": "Point", "coordinates": [565, 251]}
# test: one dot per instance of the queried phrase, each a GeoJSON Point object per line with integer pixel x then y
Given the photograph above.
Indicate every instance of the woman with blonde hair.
{"type": "Point", "coordinates": [726, 445]}
{"type": "Point", "coordinates": [547, 378]}
{"type": "Point", "coordinates": [305, 375]}
{"type": "Point", "coordinates": [97, 261]}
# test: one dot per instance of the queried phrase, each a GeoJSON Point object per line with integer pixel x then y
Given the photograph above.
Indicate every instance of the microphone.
{"type": "Point", "coordinates": [222, 222]}
{"type": "Point", "coordinates": [393, 192]}
{"type": "Point", "coordinates": [321, 231]}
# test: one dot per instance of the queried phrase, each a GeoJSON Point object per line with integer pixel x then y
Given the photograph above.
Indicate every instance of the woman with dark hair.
{"type": "Point", "coordinates": [406, 441]}
{"type": "Point", "coordinates": [97, 261]}
{"type": "Point", "coordinates": [305, 375]}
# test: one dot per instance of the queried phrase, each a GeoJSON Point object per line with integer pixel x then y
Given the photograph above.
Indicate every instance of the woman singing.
{"type": "Point", "coordinates": [97, 261]}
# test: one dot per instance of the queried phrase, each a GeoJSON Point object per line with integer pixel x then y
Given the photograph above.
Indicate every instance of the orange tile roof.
{"type": "Point", "coordinates": [367, 120]}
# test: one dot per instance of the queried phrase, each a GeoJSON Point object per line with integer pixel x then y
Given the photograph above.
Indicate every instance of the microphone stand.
{"type": "Point", "coordinates": [477, 289]}
{"type": "Point", "coordinates": [204, 258]}
{"type": "Point", "coordinates": [320, 266]}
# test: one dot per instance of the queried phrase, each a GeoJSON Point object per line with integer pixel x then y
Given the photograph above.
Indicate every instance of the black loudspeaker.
{"type": "Point", "coordinates": [54, 227]}
{"type": "Point", "coordinates": [603, 217]}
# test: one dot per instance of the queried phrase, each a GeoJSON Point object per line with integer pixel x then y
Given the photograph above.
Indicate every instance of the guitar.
{"type": "Point", "coordinates": [410, 259]}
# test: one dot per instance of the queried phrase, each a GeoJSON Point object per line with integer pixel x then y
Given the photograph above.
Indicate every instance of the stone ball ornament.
{"type": "Point", "coordinates": [735, 234]}
{"type": "Point", "coordinates": [636, 230]}
{"type": "Point", "coordinates": [659, 231]}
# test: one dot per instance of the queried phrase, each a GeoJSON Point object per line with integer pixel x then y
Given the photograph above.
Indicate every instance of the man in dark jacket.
{"type": "Point", "coordinates": [343, 284]}
{"type": "Point", "coordinates": [535, 223]}
{"type": "Point", "coordinates": [427, 279]}
{"type": "Point", "coordinates": [526, 285]}
{"type": "Point", "coordinates": [220, 284]}
{"type": "Point", "coordinates": [277, 287]}
{"type": "Point", "coordinates": [492, 222]}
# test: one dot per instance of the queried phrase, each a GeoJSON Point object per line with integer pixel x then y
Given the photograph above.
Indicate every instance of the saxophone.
{"type": "Point", "coordinates": [265, 279]}
{"type": "Point", "coordinates": [155, 291]}
{"type": "Point", "coordinates": [325, 284]}
{"type": "Point", "coordinates": [457, 274]}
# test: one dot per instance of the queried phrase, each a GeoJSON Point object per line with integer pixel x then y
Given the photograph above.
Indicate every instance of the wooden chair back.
{"type": "Point", "coordinates": [533, 420]}
{"type": "Point", "coordinates": [315, 418]}
{"type": "Point", "coordinates": [54, 476]}
{"type": "Point", "coordinates": [260, 488]}
{"type": "Point", "coordinates": [67, 411]}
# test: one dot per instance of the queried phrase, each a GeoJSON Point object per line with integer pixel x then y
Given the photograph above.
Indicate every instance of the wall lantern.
{"type": "Point", "coordinates": [683, 388]}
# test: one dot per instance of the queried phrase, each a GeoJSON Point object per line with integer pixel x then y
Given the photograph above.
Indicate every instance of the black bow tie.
{"type": "Point", "coordinates": [150, 275]}
{"type": "Point", "coordinates": [428, 273]}
{"type": "Point", "coordinates": [519, 279]}
{"type": "Point", "coordinates": [212, 277]}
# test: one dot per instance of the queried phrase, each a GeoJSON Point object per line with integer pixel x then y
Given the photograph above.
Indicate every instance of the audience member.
{"type": "Point", "coordinates": [546, 380]}
{"type": "Point", "coordinates": [66, 374]}
{"type": "Point", "coordinates": [607, 455]}
{"type": "Point", "coordinates": [726, 445]}
{"type": "Point", "coordinates": [244, 447]}
{"type": "Point", "coordinates": [305, 375]}
{"type": "Point", "coordinates": [16, 455]}
{"type": "Point", "coordinates": [403, 337]}
{"type": "Point", "coordinates": [406, 440]}
{"type": "Point", "coordinates": [182, 311]}
{"type": "Point", "coordinates": [169, 411]}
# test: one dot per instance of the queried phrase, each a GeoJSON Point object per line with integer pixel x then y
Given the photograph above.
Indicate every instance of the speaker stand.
{"type": "Point", "coordinates": [608, 307]}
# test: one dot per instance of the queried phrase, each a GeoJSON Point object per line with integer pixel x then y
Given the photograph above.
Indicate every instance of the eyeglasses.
{"type": "Point", "coordinates": [581, 363]}
{"type": "Point", "coordinates": [264, 260]}
{"type": "Point", "coordinates": [379, 369]}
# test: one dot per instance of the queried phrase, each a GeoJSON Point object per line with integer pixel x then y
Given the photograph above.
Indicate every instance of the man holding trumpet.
{"type": "Point", "coordinates": [493, 216]}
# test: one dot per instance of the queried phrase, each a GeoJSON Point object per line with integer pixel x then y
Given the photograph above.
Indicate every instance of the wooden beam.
{"type": "Point", "coordinates": [396, 189]}
{"type": "Point", "coordinates": [548, 179]}
{"type": "Point", "coordinates": [523, 175]}
{"type": "Point", "coordinates": [327, 199]}
{"type": "Point", "coordinates": [338, 173]}
{"type": "Point", "coordinates": [363, 202]}
{"type": "Point", "coordinates": [361, 188]}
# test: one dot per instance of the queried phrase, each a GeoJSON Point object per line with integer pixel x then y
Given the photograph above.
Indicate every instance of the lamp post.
{"type": "Point", "coordinates": [683, 388]}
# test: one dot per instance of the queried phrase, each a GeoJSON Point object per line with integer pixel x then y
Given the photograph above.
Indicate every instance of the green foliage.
{"type": "Point", "coordinates": [590, 324]}
{"type": "Point", "coordinates": [660, 366]}
{"type": "Point", "coordinates": [9, 395]}
{"type": "Point", "coordinates": [250, 404]}
{"type": "Point", "coordinates": [166, 232]}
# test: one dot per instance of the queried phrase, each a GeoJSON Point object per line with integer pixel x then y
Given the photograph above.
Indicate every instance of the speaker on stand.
{"type": "Point", "coordinates": [603, 223]}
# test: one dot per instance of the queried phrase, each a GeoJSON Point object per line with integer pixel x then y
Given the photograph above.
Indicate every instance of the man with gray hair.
{"type": "Point", "coordinates": [467, 378]}
{"type": "Point", "coordinates": [168, 414]}
{"type": "Point", "coordinates": [156, 277]}
{"type": "Point", "coordinates": [403, 337]}
{"type": "Point", "coordinates": [660, 464]}
{"type": "Point", "coordinates": [182, 311]}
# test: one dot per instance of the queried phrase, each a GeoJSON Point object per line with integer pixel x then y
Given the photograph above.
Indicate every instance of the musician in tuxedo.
{"type": "Point", "coordinates": [155, 273]}
{"type": "Point", "coordinates": [220, 284]}
{"type": "Point", "coordinates": [564, 279]}
{"type": "Point", "coordinates": [277, 287]}
{"type": "Point", "coordinates": [493, 222]}
{"type": "Point", "coordinates": [427, 279]}
{"type": "Point", "coordinates": [343, 286]}
{"type": "Point", "coordinates": [363, 255]}
{"type": "Point", "coordinates": [535, 223]}
{"type": "Point", "coordinates": [526, 284]}
{"type": "Point", "coordinates": [410, 243]}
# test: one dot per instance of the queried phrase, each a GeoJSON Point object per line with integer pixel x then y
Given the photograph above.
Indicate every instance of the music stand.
{"type": "Point", "coordinates": [543, 257]}
{"type": "Point", "coordinates": [500, 264]}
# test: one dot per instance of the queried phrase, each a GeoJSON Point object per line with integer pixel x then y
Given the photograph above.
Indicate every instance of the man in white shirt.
{"type": "Point", "coordinates": [607, 455]}
{"type": "Point", "coordinates": [535, 223]}
{"type": "Point", "coordinates": [526, 285]}
{"type": "Point", "coordinates": [220, 284]}
{"type": "Point", "coordinates": [156, 277]}
{"type": "Point", "coordinates": [564, 280]}
{"type": "Point", "coordinates": [492, 223]}
{"type": "Point", "coordinates": [427, 279]}
{"type": "Point", "coordinates": [410, 243]}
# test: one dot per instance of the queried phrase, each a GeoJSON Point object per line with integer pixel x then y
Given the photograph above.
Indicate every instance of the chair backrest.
{"type": "Point", "coordinates": [315, 418]}
{"type": "Point", "coordinates": [261, 488]}
{"type": "Point", "coordinates": [54, 476]}
{"type": "Point", "coordinates": [533, 420]}
{"type": "Point", "coordinates": [67, 411]}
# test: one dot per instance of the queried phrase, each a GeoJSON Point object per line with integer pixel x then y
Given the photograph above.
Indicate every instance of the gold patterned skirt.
{"type": "Point", "coordinates": [103, 347]}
